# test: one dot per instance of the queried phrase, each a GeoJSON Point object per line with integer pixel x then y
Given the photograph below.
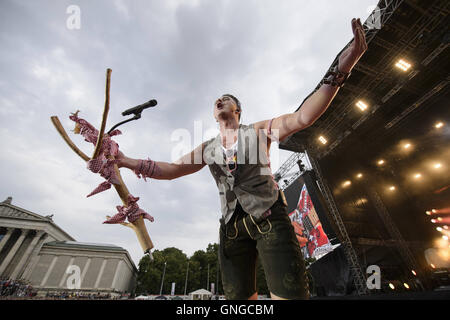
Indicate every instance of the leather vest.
{"type": "Point", "coordinates": [251, 183]}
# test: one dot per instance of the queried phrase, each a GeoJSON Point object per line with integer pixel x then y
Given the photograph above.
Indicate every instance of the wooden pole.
{"type": "Point", "coordinates": [105, 115]}
{"type": "Point", "coordinates": [138, 225]}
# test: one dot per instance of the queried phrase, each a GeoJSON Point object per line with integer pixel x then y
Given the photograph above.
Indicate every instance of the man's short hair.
{"type": "Point", "coordinates": [238, 103]}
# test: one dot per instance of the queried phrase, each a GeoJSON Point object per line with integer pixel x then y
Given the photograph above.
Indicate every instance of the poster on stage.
{"type": "Point", "coordinates": [310, 233]}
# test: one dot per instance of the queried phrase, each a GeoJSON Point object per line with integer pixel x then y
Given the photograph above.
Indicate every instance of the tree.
{"type": "Point", "coordinates": [150, 272]}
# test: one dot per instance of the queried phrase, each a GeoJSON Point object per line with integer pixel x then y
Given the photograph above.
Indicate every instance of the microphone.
{"type": "Point", "coordinates": [138, 109]}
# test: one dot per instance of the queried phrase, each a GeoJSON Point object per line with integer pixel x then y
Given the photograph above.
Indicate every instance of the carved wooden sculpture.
{"type": "Point", "coordinates": [103, 162]}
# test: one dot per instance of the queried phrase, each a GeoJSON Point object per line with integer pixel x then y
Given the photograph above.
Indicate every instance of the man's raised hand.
{"type": "Point", "coordinates": [350, 56]}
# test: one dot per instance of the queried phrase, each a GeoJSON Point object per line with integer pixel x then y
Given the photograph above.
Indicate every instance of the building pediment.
{"type": "Point", "coordinates": [16, 217]}
{"type": "Point", "coordinates": [11, 211]}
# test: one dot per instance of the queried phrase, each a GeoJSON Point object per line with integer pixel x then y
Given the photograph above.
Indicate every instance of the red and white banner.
{"type": "Point", "coordinates": [308, 228]}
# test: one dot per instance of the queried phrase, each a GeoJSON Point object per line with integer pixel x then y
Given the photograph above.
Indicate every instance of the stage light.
{"type": "Point", "coordinates": [361, 201]}
{"type": "Point", "coordinates": [346, 183]}
{"type": "Point", "coordinates": [403, 65]}
{"type": "Point", "coordinates": [441, 243]}
{"type": "Point", "coordinates": [392, 188]}
{"type": "Point", "coordinates": [407, 146]}
{"type": "Point", "coordinates": [437, 165]}
{"type": "Point", "coordinates": [406, 285]}
{"type": "Point", "coordinates": [391, 286]}
{"type": "Point", "coordinates": [444, 254]}
{"type": "Point", "coordinates": [439, 219]}
{"type": "Point", "coordinates": [322, 140]}
{"type": "Point", "coordinates": [361, 105]}
{"type": "Point", "coordinates": [439, 125]}
{"type": "Point", "coordinates": [428, 213]}
{"type": "Point", "coordinates": [380, 162]}
{"type": "Point", "coordinates": [445, 238]}
{"type": "Point", "coordinates": [433, 266]}
{"type": "Point", "coordinates": [359, 175]}
{"type": "Point", "coordinates": [446, 227]}
{"type": "Point", "coordinates": [413, 272]}
{"type": "Point", "coordinates": [417, 176]}
{"type": "Point", "coordinates": [433, 220]}
{"type": "Point", "coordinates": [439, 229]}
{"type": "Point", "coordinates": [433, 210]}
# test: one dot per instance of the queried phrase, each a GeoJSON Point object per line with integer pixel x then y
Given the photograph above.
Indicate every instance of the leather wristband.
{"type": "Point", "coordinates": [335, 78]}
{"type": "Point", "coordinates": [147, 169]}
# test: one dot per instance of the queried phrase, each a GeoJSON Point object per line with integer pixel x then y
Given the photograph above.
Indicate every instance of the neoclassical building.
{"type": "Point", "coordinates": [33, 248]}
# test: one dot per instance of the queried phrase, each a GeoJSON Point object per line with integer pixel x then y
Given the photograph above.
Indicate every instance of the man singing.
{"type": "Point", "coordinates": [254, 212]}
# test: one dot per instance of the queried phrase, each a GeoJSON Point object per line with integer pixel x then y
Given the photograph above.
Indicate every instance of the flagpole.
{"type": "Point", "coordinates": [185, 283]}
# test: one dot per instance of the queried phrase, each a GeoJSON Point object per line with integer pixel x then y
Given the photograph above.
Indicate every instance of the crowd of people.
{"type": "Point", "coordinates": [16, 288]}
{"type": "Point", "coordinates": [78, 295]}
{"type": "Point", "coordinates": [20, 289]}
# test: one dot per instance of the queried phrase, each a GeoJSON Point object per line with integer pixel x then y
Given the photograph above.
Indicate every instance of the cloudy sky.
{"type": "Point", "coordinates": [184, 53]}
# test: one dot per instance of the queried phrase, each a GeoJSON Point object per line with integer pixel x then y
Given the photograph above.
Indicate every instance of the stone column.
{"type": "Point", "coordinates": [100, 274]}
{"type": "Point", "coordinates": [64, 277]}
{"type": "Point", "coordinates": [116, 275]}
{"type": "Point", "coordinates": [49, 271]}
{"type": "Point", "coordinates": [83, 274]}
{"type": "Point", "coordinates": [13, 251]}
{"type": "Point", "coordinates": [27, 253]}
{"type": "Point", "coordinates": [34, 258]}
{"type": "Point", "coordinates": [6, 237]}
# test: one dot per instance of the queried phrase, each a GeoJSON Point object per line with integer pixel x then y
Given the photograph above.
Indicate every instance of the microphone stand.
{"type": "Point", "coordinates": [137, 116]}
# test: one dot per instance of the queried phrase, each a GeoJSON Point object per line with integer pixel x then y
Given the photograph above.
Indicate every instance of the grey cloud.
{"type": "Point", "coordinates": [183, 53]}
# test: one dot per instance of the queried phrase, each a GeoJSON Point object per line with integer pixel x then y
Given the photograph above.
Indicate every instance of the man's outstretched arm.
{"type": "Point", "coordinates": [187, 164]}
{"type": "Point", "coordinates": [318, 102]}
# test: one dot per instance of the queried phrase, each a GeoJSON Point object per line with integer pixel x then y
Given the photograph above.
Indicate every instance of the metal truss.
{"type": "Point", "coordinates": [288, 173]}
{"type": "Point", "coordinates": [355, 269]}
{"type": "Point", "coordinates": [392, 229]}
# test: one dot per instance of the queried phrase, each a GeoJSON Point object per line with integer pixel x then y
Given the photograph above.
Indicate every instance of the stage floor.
{"type": "Point", "coordinates": [427, 295]}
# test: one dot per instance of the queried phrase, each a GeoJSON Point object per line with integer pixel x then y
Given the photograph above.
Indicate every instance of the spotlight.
{"type": "Point", "coordinates": [322, 140]}
{"type": "Point", "coordinates": [439, 229]}
{"type": "Point", "coordinates": [437, 165]}
{"type": "Point", "coordinates": [380, 162]}
{"type": "Point", "coordinates": [392, 188]}
{"type": "Point", "coordinates": [406, 285]}
{"type": "Point", "coordinates": [433, 266]}
{"type": "Point", "coordinates": [417, 176]}
{"type": "Point", "coordinates": [361, 201]}
{"type": "Point", "coordinates": [413, 272]}
{"type": "Point", "coordinates": [346, 183]}
{"type": "Point", "coordinates": [439, 125]}
{"type": "Point", "coordinates": [391, 286]}
{"type": "Point", "coordinates": [361, 105]}
{"type": "Point", "coordinates": [359, 175]}
{"type": "Point", "coordinates": [445, 227]}
{"type": "Point", "coordinates": [439, 219]}
{"type": "Point", "coordinates": [403, 65]}
{"type": "Point", "coordinates": [428, 213]}
{"type": "Point", "coordinates": [433, 220]}
{"type": "Point", "coordinates": [407, 146]}
{"type": "Point", "coordinates": [445, 238]}
{"type": "Point", "coordinates": [433, 210]}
